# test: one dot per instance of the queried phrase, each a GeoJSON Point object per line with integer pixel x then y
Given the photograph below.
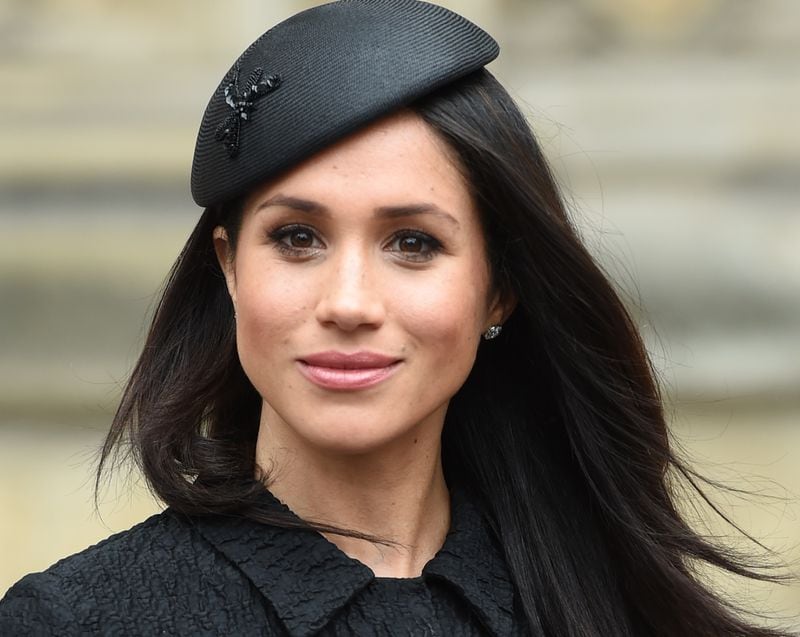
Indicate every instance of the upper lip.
{"type": "Point", "coordinates": [356, 360]}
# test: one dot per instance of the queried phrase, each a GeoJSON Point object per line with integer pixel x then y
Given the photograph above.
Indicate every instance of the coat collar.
{"type": "Point", "coordinates": [471, 561]}
{"type": "Point", "coordinates": [307, 579]}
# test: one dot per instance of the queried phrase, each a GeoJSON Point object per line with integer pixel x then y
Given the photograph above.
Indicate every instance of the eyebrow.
{"type": "Point", "coordinates": [412, 210]}
{"type": "Point", "coordinates": [383, 212]}
{"type": "Point", "coordinates": [303, 205]}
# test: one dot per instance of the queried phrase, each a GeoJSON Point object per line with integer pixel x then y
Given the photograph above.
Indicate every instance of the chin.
{"type": "Point", "coordinates": [351, 427]}
{"type": "Point", "coordinates": [354, 438]}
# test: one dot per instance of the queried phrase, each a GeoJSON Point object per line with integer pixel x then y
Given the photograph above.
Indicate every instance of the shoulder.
{"type": "Point", "coordinates": [73, 592]}
{"type": "Point", "coordinates": [144, 546]}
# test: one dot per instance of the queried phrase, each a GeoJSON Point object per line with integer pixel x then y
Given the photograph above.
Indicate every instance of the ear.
{"type": "Point", "coordinates": [500, 308]}
{"type": "Point", "coordinates": [224, 251]}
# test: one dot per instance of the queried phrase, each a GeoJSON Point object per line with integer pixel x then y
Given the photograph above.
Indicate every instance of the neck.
{"type": "Point", "coordinates": [397, 493]}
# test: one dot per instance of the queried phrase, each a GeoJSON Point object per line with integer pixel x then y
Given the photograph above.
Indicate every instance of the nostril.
{"type": "Point", "coordinates": [350, 311]}
{"type": "Point", "coordinates": [351, 297]}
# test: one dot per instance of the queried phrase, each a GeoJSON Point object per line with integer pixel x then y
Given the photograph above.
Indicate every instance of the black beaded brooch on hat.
{"type": "Point", "coordinates": [256, 87]}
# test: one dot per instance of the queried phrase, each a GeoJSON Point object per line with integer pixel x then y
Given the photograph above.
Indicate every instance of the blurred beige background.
{"type": "Point", "coordinates": [672, 125]}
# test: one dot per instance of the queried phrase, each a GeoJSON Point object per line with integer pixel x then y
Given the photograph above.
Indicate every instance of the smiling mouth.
{"type": "Point", "coordinates": [339, 371]}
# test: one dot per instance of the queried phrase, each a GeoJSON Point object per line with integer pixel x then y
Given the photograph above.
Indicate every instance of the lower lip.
{"type": "Point", "coordinates": [346, 379]}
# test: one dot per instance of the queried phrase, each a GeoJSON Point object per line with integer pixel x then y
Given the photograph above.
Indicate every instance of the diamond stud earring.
{"type": "Point", "coordinates": [492, 332]}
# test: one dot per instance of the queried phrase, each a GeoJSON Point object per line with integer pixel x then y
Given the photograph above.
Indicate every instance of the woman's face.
{"type": "Point", "coordinates": [361, 289]}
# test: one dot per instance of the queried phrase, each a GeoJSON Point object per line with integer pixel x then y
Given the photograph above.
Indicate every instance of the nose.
{"type": "Point", "coordinates": [351, 296]}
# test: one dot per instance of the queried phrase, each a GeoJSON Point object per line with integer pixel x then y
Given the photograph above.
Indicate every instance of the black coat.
{"type": "Point", "coordinates": [175, 575]}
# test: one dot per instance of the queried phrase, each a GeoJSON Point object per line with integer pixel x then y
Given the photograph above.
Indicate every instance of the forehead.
{"type": "Point", "coordinates": [398, 159]}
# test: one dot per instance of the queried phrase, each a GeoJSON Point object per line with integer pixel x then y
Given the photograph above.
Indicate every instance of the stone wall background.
{"type": "Point", "coordinates": [672, 125]}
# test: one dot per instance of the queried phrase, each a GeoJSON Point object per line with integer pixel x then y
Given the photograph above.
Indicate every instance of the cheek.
{"type": "Point", "coordinates": [447, 318]}
{"type": "Point", "coordinates": [269, 308]}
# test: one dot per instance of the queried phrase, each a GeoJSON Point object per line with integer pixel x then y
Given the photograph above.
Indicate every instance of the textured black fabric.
{"type": "Point", "coordinates": [173, 575]}
{"type": "Point", "coordinates": [341, 65]}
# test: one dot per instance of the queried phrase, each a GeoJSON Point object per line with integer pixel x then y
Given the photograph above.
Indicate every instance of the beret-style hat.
{"type": "Point", "coordinates": [320, 75]}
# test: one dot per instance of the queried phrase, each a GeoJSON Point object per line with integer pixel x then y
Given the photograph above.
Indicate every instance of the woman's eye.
{"type": "Point", "coordinates": [414, 245]}
{"type": "Point", "coordinates": [295, 239]}
{"type": "Point", "coordinates": [411, 244]}
{"type": "Point", "coordinates": [300, 239]}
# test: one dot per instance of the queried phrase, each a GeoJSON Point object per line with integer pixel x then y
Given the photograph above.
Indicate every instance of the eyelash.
{"type": "Point", "coordinates": [279, 237]}
{"type": "Point", "coordinates": [432, 246]}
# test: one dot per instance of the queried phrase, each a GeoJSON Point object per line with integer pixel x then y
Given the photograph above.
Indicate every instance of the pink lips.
{"type": "Point", "coordinates": [337, 370]}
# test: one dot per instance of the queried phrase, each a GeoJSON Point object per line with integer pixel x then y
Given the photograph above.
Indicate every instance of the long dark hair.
{"type": "Point", "coordinates": [558, 433]}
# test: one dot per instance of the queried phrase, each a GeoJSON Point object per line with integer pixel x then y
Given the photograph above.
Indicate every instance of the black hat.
{"type": "Point", "coordinates": [320, 75]}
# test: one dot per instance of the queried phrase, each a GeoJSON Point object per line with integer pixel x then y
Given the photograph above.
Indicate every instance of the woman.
{"type": "Point", "coordinates": [386, 391]}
